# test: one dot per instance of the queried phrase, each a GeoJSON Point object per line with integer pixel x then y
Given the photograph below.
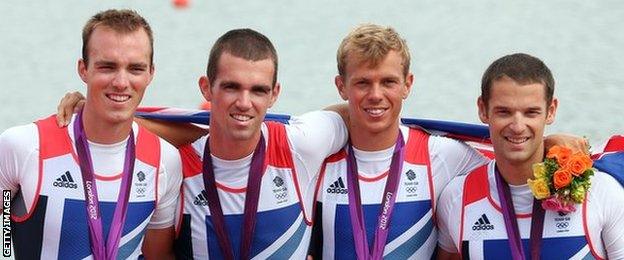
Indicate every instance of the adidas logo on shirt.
{"type": "Point", "coordinates": [483, 224]}
{"type": "Point", "coordinates": [65, 181]}
{"type": "Point", "coordinates": [337, 187]}
{"type": "Point", "coordinates": [200, 199]}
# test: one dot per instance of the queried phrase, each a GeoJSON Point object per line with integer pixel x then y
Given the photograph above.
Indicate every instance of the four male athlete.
{"type": "Point", "coordinates": [249, 186]}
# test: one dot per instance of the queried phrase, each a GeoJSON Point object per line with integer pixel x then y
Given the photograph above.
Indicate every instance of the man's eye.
{"type": "Point", "coordinates": [390, 82]}
{"type": "Point", "coordinates": [502, 112]}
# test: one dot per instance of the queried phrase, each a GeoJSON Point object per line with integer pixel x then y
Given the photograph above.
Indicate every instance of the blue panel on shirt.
{"type": "Point", "coordinates": [552, 248]}
{"type": "Point", "coordinates": [404, 216]}
{"type": "Point", "coordinates": [75, 244]}
{"type": "Point", "coordinates": [270, 225]}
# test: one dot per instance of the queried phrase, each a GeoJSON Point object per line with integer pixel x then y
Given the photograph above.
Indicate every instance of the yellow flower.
{"type": "Point", "coordinates": [539, 170]}
{"type": "Point", "coordinates": [539, 188]}
{"type": "Point", "coordinates": [578, 194]}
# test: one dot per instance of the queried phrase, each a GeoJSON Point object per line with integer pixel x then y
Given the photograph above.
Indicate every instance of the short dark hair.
{"type": "Point", "coordinates": [243, 43]}
{"type": "Point", "coordinates": [121, 21]}
{"type": "Point", "coordinates": [522, 68]}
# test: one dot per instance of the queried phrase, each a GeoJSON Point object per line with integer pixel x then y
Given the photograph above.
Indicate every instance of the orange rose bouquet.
{"type": "Point", "coordinates": [562, 179]}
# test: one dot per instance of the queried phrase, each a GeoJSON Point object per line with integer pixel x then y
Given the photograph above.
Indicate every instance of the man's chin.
{"type": "Point", "coordinates": [119, 118]}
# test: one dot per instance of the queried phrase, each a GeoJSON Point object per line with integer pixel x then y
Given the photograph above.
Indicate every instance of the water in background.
{"type": "Point", "coordinates": [452, 42]}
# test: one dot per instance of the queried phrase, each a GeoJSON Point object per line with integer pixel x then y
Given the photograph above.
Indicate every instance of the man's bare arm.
{"type": "Point", "coordinates": [444, 255]}
{"type": "Point", "coordinates": [158, 244]}
{"type": "Point", "coordinates": [177, 134]}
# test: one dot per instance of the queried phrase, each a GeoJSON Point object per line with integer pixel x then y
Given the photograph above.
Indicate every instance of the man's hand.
{"type": "Point", "coordinates": [70, 104]}
{"type": "Point", "coordinates": [576, 143]}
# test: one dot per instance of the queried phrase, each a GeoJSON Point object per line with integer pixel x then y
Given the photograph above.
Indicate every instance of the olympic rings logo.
{"type": "Point", "coordinates": [281, 196]}
{"type": "Point", "coordinates": [562, 225]}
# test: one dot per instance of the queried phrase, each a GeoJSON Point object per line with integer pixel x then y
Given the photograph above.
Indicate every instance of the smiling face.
{"type": "Point", "coordinates": [117, 74]}
{"type": "Point", "coordinates": [241, 94]}
{"type": "Point", "coordinates": [517, 115]}
{"type": "Point", "coordinates": [375, 94]}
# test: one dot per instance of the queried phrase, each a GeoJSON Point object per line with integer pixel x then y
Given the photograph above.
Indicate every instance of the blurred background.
{"type": "Point", "coordinates": [452, 43]}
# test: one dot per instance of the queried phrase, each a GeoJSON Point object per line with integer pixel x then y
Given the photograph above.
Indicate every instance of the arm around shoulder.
{"type": "Point", "coordinates": [177, 134]}
{"type": "Point", "coordinates": [317, 133]}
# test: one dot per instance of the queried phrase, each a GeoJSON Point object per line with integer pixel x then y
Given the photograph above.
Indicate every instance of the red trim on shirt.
{"type": "Point", "coordinates": [419, 140]}
{"type": "Point", "coordinates": [586, 229]}
{"type": "Point", "coordinates": [280, 155]}
{"type": "Point", "coordinates": [373, 179]}
{"type": "Point", "coordinates": [340, 155]}
{"type": "Point", "coordinates": [107, 178]}
{"type": "Point", "coordinates": [191, 163]}
{"type": "Point", "coordinates": [180, 213]}
{"type": "Point", "coordinates": [317, 187]}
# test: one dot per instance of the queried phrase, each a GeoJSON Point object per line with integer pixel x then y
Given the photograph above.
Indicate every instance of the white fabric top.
{"type": "Point", "coordinates": [19, 167]}
{"type": "Point", "coordinates": [448, 158]}
{"type": "Point", "coordinates": [605, 212]}
{"type": "Point", "coordinates": [312, 137]}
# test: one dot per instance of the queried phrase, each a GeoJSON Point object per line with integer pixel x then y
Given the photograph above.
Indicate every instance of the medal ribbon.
{"type": "Point", "coordinates": [251, 201]}
{"type": "Point", "coordinates": [387, 204]}
{"type": "Point", "coordinates": [100, 250]}
{"type": "Point", "coordinates": [511, 224]}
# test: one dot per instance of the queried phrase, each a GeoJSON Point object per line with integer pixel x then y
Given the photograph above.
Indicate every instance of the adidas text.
{"type": "Point", "coordinates": [337, 190]}
{"type": "Point", "coordinates": [64, 184]}
{"type": "Point", "coordinates": [483, 224]}
{"type": "Point", "coordinates": [65, 181]}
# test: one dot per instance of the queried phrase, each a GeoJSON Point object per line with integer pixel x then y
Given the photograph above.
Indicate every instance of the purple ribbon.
{"type": "Point", "coordinates": [387, 204]}
{"type": "Point", "coordinates": [251, 201]}
{"type": "Point", "coordinates": [511, 224]}
{"type": "Point", "coordinates": [94, 218]}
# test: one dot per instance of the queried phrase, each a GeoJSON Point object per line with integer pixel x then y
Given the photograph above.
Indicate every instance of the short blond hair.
{"type": "Point", "coordinates": [372, 43]}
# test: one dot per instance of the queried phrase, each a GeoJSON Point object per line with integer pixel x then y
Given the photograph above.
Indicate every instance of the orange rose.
{"type": "Point", "coordinates": [578, 163]}
{"type": "Point", "coordinates": [562, 178]}
{"type": "Point", "coordinates": [588, 161]}
{"type": "Point", "coordinates": [561, 153]}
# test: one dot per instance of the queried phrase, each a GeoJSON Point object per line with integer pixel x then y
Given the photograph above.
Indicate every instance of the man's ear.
{"type": "Point", "coordinates": [204, 87]}
{"type": "Point", "coordinates": [409, 80]}
{"type": "Point", "coordinates": [483, 113]}
{"type": "Point", "coordinates": [82, 70]}
{"type": "Point", "coordinates": [275, 93]}
{"type": "Point", "coordinates": [151, 72]}
{"type": "Point", "coordinates": [552, 111]}
{"type": "Point", "coordinates": [340, 85]}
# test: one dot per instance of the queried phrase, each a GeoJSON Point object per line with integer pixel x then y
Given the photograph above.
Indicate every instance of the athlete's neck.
{"type": "Point", "coordinates": [101, 131]}
{"type": "Point", "coordinates": [517, 173]}
{"type": "Point", "coordinates": [373, 141]}
{"type": "Point", "coordinates": [226, 148]}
